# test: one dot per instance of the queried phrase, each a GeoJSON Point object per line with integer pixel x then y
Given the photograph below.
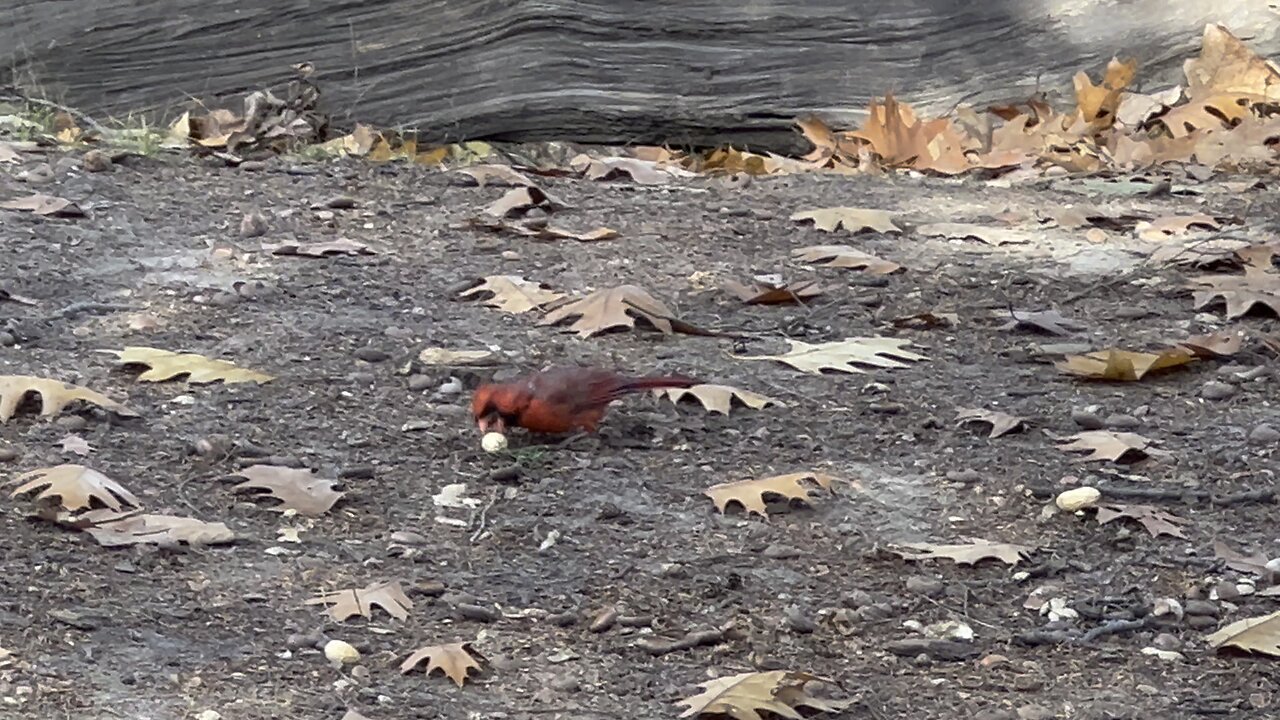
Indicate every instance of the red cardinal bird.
{"type": "Point", "coordinates": [559, 399]}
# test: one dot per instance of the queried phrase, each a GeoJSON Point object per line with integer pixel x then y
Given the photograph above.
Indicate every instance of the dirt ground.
{"type": "Point", "coordinates": [159, 634]}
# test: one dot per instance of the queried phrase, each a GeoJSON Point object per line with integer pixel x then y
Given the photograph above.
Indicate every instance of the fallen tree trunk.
{"type": "Point", "coordinates": [685, 72]}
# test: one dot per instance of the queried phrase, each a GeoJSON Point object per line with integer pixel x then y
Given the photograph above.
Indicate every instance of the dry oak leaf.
{"type": "Point", "coordinates": [47, 205]}
{"type": "Point", "coordinates": [1227, 65]}
{"type": "Point", "coordinates": [901, 139]}
{"type": "Point", "coordinates": [1255, 563]}
{"type": "Point", "coordinates": [746, 695]}
{"type": "Point", "coordinates": [341, 246]}
{"type": "Point", "coordinates": [1255, 635]}
{"type": "Point", "coordinates": [75, 444]}
{"type": "Point", "coordinates": [1124, 365]}
{"type": "Point", "coordinates": [512, 293]}
{"type": "Point", "coordinates": [539, 229]}
{"type": "Point", "coordinates": [644, 172]}
{"type": "Point", "coordinates": [55, 396]}
{"type": "Point", "coordinates": [611, 308]}
{"type": "Point", "coordinates": [1154, 520]}
{"type": "Point", "coordinates": [967, 553]}
{"type": "Point", "coordinates": [76, 487]}
{"type": "Point", "coordinates": [762, 293]}
{"type": "Point", "coordinates": [348, 603]}
{"type": "Point", "coordinates": [521, 200]}
{"type": "Point", "coordinates": [497, 174]}
{"type": "Point", "coordinates": [1050, 321]}
{"type": "Point", "coordinates": [1240, 292]}
{"type": "Point", "coordinates": [1002, 423]}
{"type": "Point", "coordinates": [453, 659]}
{"type": "Point", "coordinates": [841, 356]}
{"type": "Point", "coordinates": [990, 235]}
{"type": "Point", "coordinates": [1163, 228]}
{"type": "Point", "coordinates": [843, 256]}
{"type": "Point", "coordinates": [718, 398]}
{"type": "Point", "coordinates": [750, 494]}
{"type": "Point", "coordinates": [167, 365]}
{"type": "Point", "coordinates": [1214, 345]}
{"type": "Point", "coordinates": [1107, 445]}
{"type": "Point", "coordinates": [297, 489]}
{"type": "Point", "coordinates": [158, 530]}
{"type": "Point", "coordinates": [855, 220]}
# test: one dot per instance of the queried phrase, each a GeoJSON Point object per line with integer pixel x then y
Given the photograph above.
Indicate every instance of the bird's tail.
{"type": "Point", "coordinates": [654, 382]}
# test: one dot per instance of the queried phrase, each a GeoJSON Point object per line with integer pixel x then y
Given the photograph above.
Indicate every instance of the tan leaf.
{"type": "Point", "coordinates": [746, 695]}
{"type": "Point", "coordinates": [611, 308]}
{"type": "Point", "coordinates": [987, 234]}
{"type": "Point", "coordinates": [539, 229]}
{"type": "Point", "coordinates": [901, 139]}
{"type": "Point", "coordinates": [1240, 292]}
{"type": "Point", "coordinates": [1002, 423]}
{"type": "Point", "coordinates": [1098, 104]}
{"type": "Point", "coordinates": [167, 365]}
{"type": "Point", "coordinates": [968, 553]}
{"type": "Point", "coordinates": [341, 246]}
{"type": "Point", "coordinates": [1163, 228]}
{"type": "Point", "coordinates": [512, 293]}
{"type": "Point", "coordinates": [852, 219]}
{"type": "Point", "coordinates": [1255, 635]}
{"type": "Point", "coordinates": [841, 356]}
{"type": "Point", "coordinates": [843, 256]}
{"type": "Point", "coordinates": [453, 659]}
{"type": "Point", "coordinates": [521, 200]}
{"type": "Point", "coordinates": [1255, 563]}
{"type": "Point", "coordinates": [718, 398]}
{"type": "Point", "coordinates": [1227, 65]}
{"type": "Point", "coordinates": [9, 154]}
{"type": "Point", "coordinates": [1107, 445]}
{"type": "Point", "coordinates": [353, 715]}
{"type": "Point", "coordinates": [55, 396]}
{"type": "Point", "coordinates": [644, 172]}
{"type": "Point", "coordinates": [75, 444]}
{"type": "Point", "coordinates": [41, 204]}
{"type": "Point", "coordinates": [75, 486]}
{"type": "Point", "coordinates": [454, 358]}
{"type": "Point", "coordinates": [497, 174]}
{"type": "Point", "coordinates": [827, 145]}
{"type": "Point", "coordinates": [1215, 345]}
{"type": "Point", "coordinates": [159, 530]}
{"type": "Point", "coordinates": [1050, 321]}
{"type": "Point", "coordinates": [1124, 365]}
{"type": "Point", "coordinates": [1206, 114]}
{"type": "Point", "coordinates": [348, 603]}
{"type": "Point", "coordinates": [297, 489]}
{"type": "Point", "coordinates": [1259, 256]}
{"type": "Point", "coordinates": [751, 494]}
{"type": "Point", "coordinates": [761, 293]}
{"type": "Point", "coordinates": [1154, 520]}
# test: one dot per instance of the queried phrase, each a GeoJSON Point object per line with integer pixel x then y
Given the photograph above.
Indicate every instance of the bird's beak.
{"type": "Point", "coordinates": [491, 423]}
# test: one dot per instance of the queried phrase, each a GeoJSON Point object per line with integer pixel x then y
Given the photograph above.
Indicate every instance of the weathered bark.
{"type": "Point", "coordinates": [679, 71]}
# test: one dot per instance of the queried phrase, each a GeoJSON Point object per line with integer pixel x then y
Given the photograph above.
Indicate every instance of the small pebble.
{"type": "Point", "coordinates": [1166, 641]}
{"type": "Point", "coordinates": [341, 202]}
{"type": "Point", "coordinates": [781, 552]}
{"type": "Point", "coordinates": [1264, 435]}
{"type": "Point", "coordinates": [1035, 712]}
{"type": "Point", "coordinates": [479, 613]}
{"type": "Point", "coordinates": [96, 161]}
{"type": "Point", "coordinates": [72, 422]}
{"type": "Point", "coordinates": [967, 477]}
{"type": "Point", "coordinates": [796, 620]}
{"type": "Point", "coordinates": [408, 537]}
{"type": "Point", "coordinates": [927, 586]}
{"type": "Point", "coordinates": [1201, 622]}
{"type": "Point", "coordinates": [7, 339]}
{"type": "Point", "coordinates": [253, 225]}
{"type": "Point", "coordinates": [1200, 607]}
{"type": "Point", "coordinates": [567, 618]}
{"type": "Point", "coordinates": [604, 620]}
{"type": "Point", "coordinates": [8, 454]}
{"type": "Point", "coordinates": [1087, 420]}
{"type": "Point", "coordinates": [418, 383]}
{"type": "Point", "coordinates": [1123, 422]}
{"type": "Point", "coordinates": [452, 386]}
{"type": "Point", "coordinates": [357, 472]}
{"type": "Point", "coordinates": [1215, 390]}
{"type": "Point", "coordinates": [252, 165]}
{"type": "Point", "coordinates": [371, 354]}
{"type": "Point", "coordinates": [856, 599]}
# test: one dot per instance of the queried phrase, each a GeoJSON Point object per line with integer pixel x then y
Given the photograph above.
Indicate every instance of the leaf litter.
{"type": "Point", "coordinates": [76, 487]}
{"type": "Point", "coordinates": [167, 365]}
{"type": "Point", "coordinates": [844, 256]}
{"type": "Point", "coordinates": [851, 219]}
{"type": "Point", "coordinates": [969, 553]}
{"type": "Point", "coordinates": [1002, 423]}
{"type": "Point", "coordinates": [718, 398]}
{"type": "Point", "coordinates": [752, 495]}
{"type": "Point", "coordinates": [512, 293]}
{"type": "Point", "coordinates": [1100, 445]}
{"type": "Point", "coordinates": [54, 395]}
{"type": "Point", "coordinates": [455, 660]}
{"type": "Point", "coordinates": [297, 489]}
{"type": "Point", "coordinates": [610, 309]}
{"type": "Point", "coordinates": [845, 355]}
{"type": "Point", "coordinates": [746, 695]}
{"type": "Point", "coordinates": [345, 604]}
{"type": "Point", "coordinates": [1155, 521]}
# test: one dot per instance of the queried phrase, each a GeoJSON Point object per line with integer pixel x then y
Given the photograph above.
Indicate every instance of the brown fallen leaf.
{"type": "Point", "coordinates": [745, 695]}
{"type": "Point", "coordinates": [497, 174]}
{"type": "Point", "coordinates": [751, 494]}
{"type": "Point", "coordinates": [843, 256]}
{"type": "Point", "coordinates": [348, 603]}
{"type": "Point", "coordinates": [521, 200]}
{"type": "Point", "coordinates": [1254, 635]}
{"type": "Point", "coordinates": [1108, 445]}
{"type": "Point", "coordinates": [718, 398]}
{"type": "Point", "coordinates": [1154, 520]}
{"type": "Point", "coordinates": [1214, 345]}
{"type": "Point", "coordinates": [341, 246]}
{"type": "Point", "coordinates": [539, 229]}
{"type": "Point", "coordinates": [1240, 293]}
{"type": "Point", "coordinates": [644, 172]}
{"type": "Point", "coordinates": [1163, 228]}
{"type": "Point", "coordinates": [1227, 65]}
{"type": "Point", "coordinates": [1124, 365]}
{"type": "Point", "coordinates": [46, 205]}
{"type": "Point", "coordinates": [512, 293]}
{"type": "Point", "coordinates": [75, 444]}
{"type": "Point", "coordinates": [927, 320]}
{"type": "Point", "coordinates": [988, 234]}
{"type": "Point", "coordinates": [968, 553]}
{"type": "Point", "coordinates": [55, 396]}
{"type": "Point", "coordinates": [903, 140]}
{"type": "Point", "coordinates": [297, 489]}
{"type": "Point", "coordinates": [1255, 563]}
{"type": "Point", "coordinates": [617, 307]}
{"type": "Point", "coordinates": [166, 365]}
{"type": "Point", "coordinates": [761, 293]}
{"type": "Point", "coordinates": [844, 355]}
{"type": "Point", "coordinates": [1002, 423]}
{"type": "Point", "coordinates": [76, 487]}
{"type": "Point", "coordinates": [1259, 255]}
{"type": "Point", "coordinates": [455, 660]}
{"type": "Point", "coordinates": [159, 530]}
{"type": "Point", "coordinates": [1049, 321]}
{"type": "Point", "coordinates": [852, 219]}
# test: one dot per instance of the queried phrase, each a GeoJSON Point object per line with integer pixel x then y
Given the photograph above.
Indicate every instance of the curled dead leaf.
{"type": "Point", "coordinates": [844, 355]}
{"type": "Point", "coordinates": [852, 219]}
{"type": "Point", "coordinates": [167, 365]}
{"type": "Point", "coordinates": [843, 256]}
{"type": "Point", "coordinates": [1107, 445]}
{"type": "Point", "coordinates": [521, 200]}
{"type": "Point", "coordinates": [1124, 365]}
{"type": "Point", "coordinates": [55, 396]}
{"type": "Point", "coordinates": [752, 494]}
{"type": "Point", "coordinates": [1002, 423]}
{"type": "Point", "coordinates": [1154, 520]}
{"type": "Point", "coordinates": [718, 398]}
{"type": "Point", "coordinates": [76, 487]}
{"type": "Point", "coordinates": [967, 553]}
{"type": "Point", "coordinates": [761, 293]}
{"type": "Point", "coordinates": [512, 293]}
{"type": "Point", "coordinates": [455, 660]}
{"type": "Point", "coordinates": [344, 604]}
{"type": "Point", "coordinates": [617, 307]}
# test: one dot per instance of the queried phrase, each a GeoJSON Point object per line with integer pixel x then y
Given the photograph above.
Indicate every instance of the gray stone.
{"type": "Point", "coordinates": [1264, 435]}
{"type": "Point", "coordinates": [1215, 390]}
